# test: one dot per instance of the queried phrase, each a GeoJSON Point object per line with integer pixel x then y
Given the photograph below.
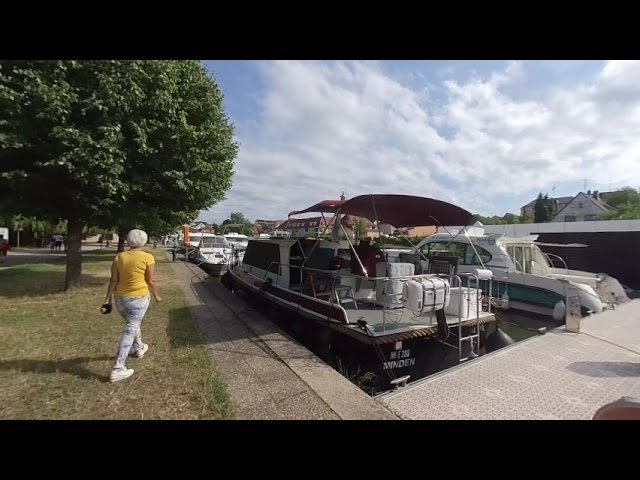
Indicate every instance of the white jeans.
{"type": "Point", "coordinates": [132, 309]}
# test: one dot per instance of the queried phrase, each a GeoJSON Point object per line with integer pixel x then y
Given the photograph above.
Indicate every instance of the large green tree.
{"type": "Point", "coordinates": [625, 203]}
{"type": "Point", "coordinates": [238, 218]}
{"type": "Point", "coordinates": [180, 147]}
{"type": "Point", "coordinates": [111, 143]}
{"type": "Point", "coordinates": [543, 210]}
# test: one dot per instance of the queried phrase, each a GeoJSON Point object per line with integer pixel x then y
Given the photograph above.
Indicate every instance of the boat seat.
{"type": "Point", "coordinates": [389, 292]}
{"type": "Point", "coordinates": [443, 264]}
{"type": "Point", "coordinates": [414, 258]}
{"type": "Point", "coordinates": [344, 293]}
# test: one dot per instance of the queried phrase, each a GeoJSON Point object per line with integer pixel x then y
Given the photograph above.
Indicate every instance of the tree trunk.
{"type": "Point", "coordinates": [73, 276]}
{"type": "Point", "coordinates": [122, 236]}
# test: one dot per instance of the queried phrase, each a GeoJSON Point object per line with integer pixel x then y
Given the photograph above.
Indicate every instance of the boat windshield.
{"type": "Point", "coordinates": [209, 242]}
{"type": "Point", "coordinates": [236, 239]}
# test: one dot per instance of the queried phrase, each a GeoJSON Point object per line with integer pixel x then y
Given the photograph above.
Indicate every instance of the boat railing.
{"type": "Point", "coordinates": [345, 274]}
{"type": "Point", "coordinates": [517, 264]}
{"type": "Point", "coordinates": [551, 256]}
{"type": "Point", "coordinates": [461, 298]}
{"type": "Point", "coordinates": [342, 273]}
{"type": "Point", "coordinates": [458, 284]}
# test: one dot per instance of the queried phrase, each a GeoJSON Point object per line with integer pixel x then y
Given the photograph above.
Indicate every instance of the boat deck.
{"type": "Point", "coordinates": [560, 376]}
{"type": "Point", "coordinates": [400, 319]}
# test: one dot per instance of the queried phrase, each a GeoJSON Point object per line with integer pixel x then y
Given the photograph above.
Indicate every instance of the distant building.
{"type": "Point", "coordinates": [582, 207]}
{"type": "Point", "coordinates": [312, 226]}
{"type": "Point", "coordinates": [416, 231]}
{"type": "Point", "coordinates": [266, 225]}
{"type": "Point", "coordinates": [197, 226]}
{"type": "Point", "coordinates": [559, 204]}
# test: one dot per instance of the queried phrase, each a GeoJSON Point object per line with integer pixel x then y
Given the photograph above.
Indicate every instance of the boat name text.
{"type": "Point", "coordinates": [399, 359]}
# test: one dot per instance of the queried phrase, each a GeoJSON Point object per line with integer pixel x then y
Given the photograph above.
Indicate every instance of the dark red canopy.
{"type": "Point", "coordinates": [325, 206]}
{"type": "Point", "coordinates": [398, 210]}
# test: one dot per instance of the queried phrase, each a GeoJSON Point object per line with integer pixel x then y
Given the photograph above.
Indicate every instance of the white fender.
{"type": "Point", "coordinates": [559, 311]}
{"type": "Point", "coordinates": [505, 301]}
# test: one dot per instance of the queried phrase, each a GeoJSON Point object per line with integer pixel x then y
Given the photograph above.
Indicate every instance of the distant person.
{"type": "Point", "coordinates": [100, 240]}
{"type": "Point", "coordinates": [4, 248]}
{"type": "Point", "coordinates": [132, 282]}
{"type": "Point", "coordinates": [58, 239]}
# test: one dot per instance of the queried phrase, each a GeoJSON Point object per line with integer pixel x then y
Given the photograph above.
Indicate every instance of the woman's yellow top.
{"type": "Point", "coordinates": [132, 266]}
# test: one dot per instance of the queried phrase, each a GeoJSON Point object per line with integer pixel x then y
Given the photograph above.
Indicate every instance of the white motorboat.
{"type": "Point", "coordinates": [213, 254]}
{"type": "Point", "coordinates": [524, 277]}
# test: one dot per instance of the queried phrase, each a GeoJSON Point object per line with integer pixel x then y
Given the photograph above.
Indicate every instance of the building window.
{"type": "Point", "coordinates": [580, 205]}
{"type": "Point", "coordinates": [569, 218]}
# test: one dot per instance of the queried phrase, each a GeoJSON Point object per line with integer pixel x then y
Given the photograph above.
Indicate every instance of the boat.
{"type": "Point", "coordinates": [279, 234]}
{"type": "Point", "coordinates": [524, 277]}
{"type": "Point", "coordinates": [237, 240]}
{"type": "Point", "coordinates": [398, 320]}
{"type": "Point", "coordinates": [212, 254]}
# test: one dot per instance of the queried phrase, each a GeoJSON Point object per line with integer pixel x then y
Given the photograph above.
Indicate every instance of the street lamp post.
{"type": "Point", "coordinates": [18, 228]}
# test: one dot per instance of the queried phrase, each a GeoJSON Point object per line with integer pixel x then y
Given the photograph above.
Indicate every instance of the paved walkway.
{"type": "Point", "coordinates": [269, 375]}
{"type": "Point", "coordinates": [557, 376]}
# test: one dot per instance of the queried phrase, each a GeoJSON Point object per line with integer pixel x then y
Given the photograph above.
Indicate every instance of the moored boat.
{"type": "Point", "coordinates": [237, 240]}
{"type": "Point", "coordinates": [213, 254]}
{"type": "Point", "coordinates": [399, 320]}
{"type": "Point", "coordinates": [524, 277]}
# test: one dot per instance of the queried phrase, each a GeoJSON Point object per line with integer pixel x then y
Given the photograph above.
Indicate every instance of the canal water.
{"type": "Point", "coordinates": [521, 327]}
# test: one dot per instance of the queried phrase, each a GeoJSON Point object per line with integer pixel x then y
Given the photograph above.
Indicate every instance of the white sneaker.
{"type": "Point", "coordinates": [140, 352]}
{"type": "Point", "coordinates": [118, 374]}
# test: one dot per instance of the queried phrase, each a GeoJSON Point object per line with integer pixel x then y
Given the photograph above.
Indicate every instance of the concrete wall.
{"type": "Point", "coordinates": [524, 229]}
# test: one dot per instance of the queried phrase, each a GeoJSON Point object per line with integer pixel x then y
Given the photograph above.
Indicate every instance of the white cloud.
{"type": "Point", "coordinates": [328, 127]}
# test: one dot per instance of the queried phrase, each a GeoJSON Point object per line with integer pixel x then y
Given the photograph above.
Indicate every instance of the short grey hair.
{"type": "Point", "coordinates": [137, 238]}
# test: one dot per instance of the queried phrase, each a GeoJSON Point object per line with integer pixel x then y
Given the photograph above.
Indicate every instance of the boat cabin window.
{"type": "Point", "coordinates": [262, 254]}
{"type": "Point", "coordinates": [463, 251]}
{"type": "Point", "coordinates": [320, 258]}
{"type": "Point", "coordinates": [529, 259]}
{"type": "Point", "coordinates": [521, 255]}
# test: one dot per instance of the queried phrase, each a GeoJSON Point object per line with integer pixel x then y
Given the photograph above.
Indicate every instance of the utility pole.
{"type": "Point", "coordinates": [18, 229]}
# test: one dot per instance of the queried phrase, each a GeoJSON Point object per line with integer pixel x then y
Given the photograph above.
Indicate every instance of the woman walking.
{"type": "Point", "coordinates": [132, 283]}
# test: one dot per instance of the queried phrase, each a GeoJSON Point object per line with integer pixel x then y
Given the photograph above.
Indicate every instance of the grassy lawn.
{"type": "Point", "coordinates": [57, 349]}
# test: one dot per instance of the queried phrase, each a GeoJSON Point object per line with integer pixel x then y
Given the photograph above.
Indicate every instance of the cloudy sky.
{"type": "Point", "coordinates": [486, 135]}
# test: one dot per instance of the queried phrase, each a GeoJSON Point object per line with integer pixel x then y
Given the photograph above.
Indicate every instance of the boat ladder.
{"type": "Point", "coordinates": [474, 338]}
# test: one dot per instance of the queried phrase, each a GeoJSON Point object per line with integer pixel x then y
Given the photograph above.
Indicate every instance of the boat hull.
{"type": "Point", "coordinates": [214, 269]}
{"type": "Point", "coordinates": [369, 364]}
